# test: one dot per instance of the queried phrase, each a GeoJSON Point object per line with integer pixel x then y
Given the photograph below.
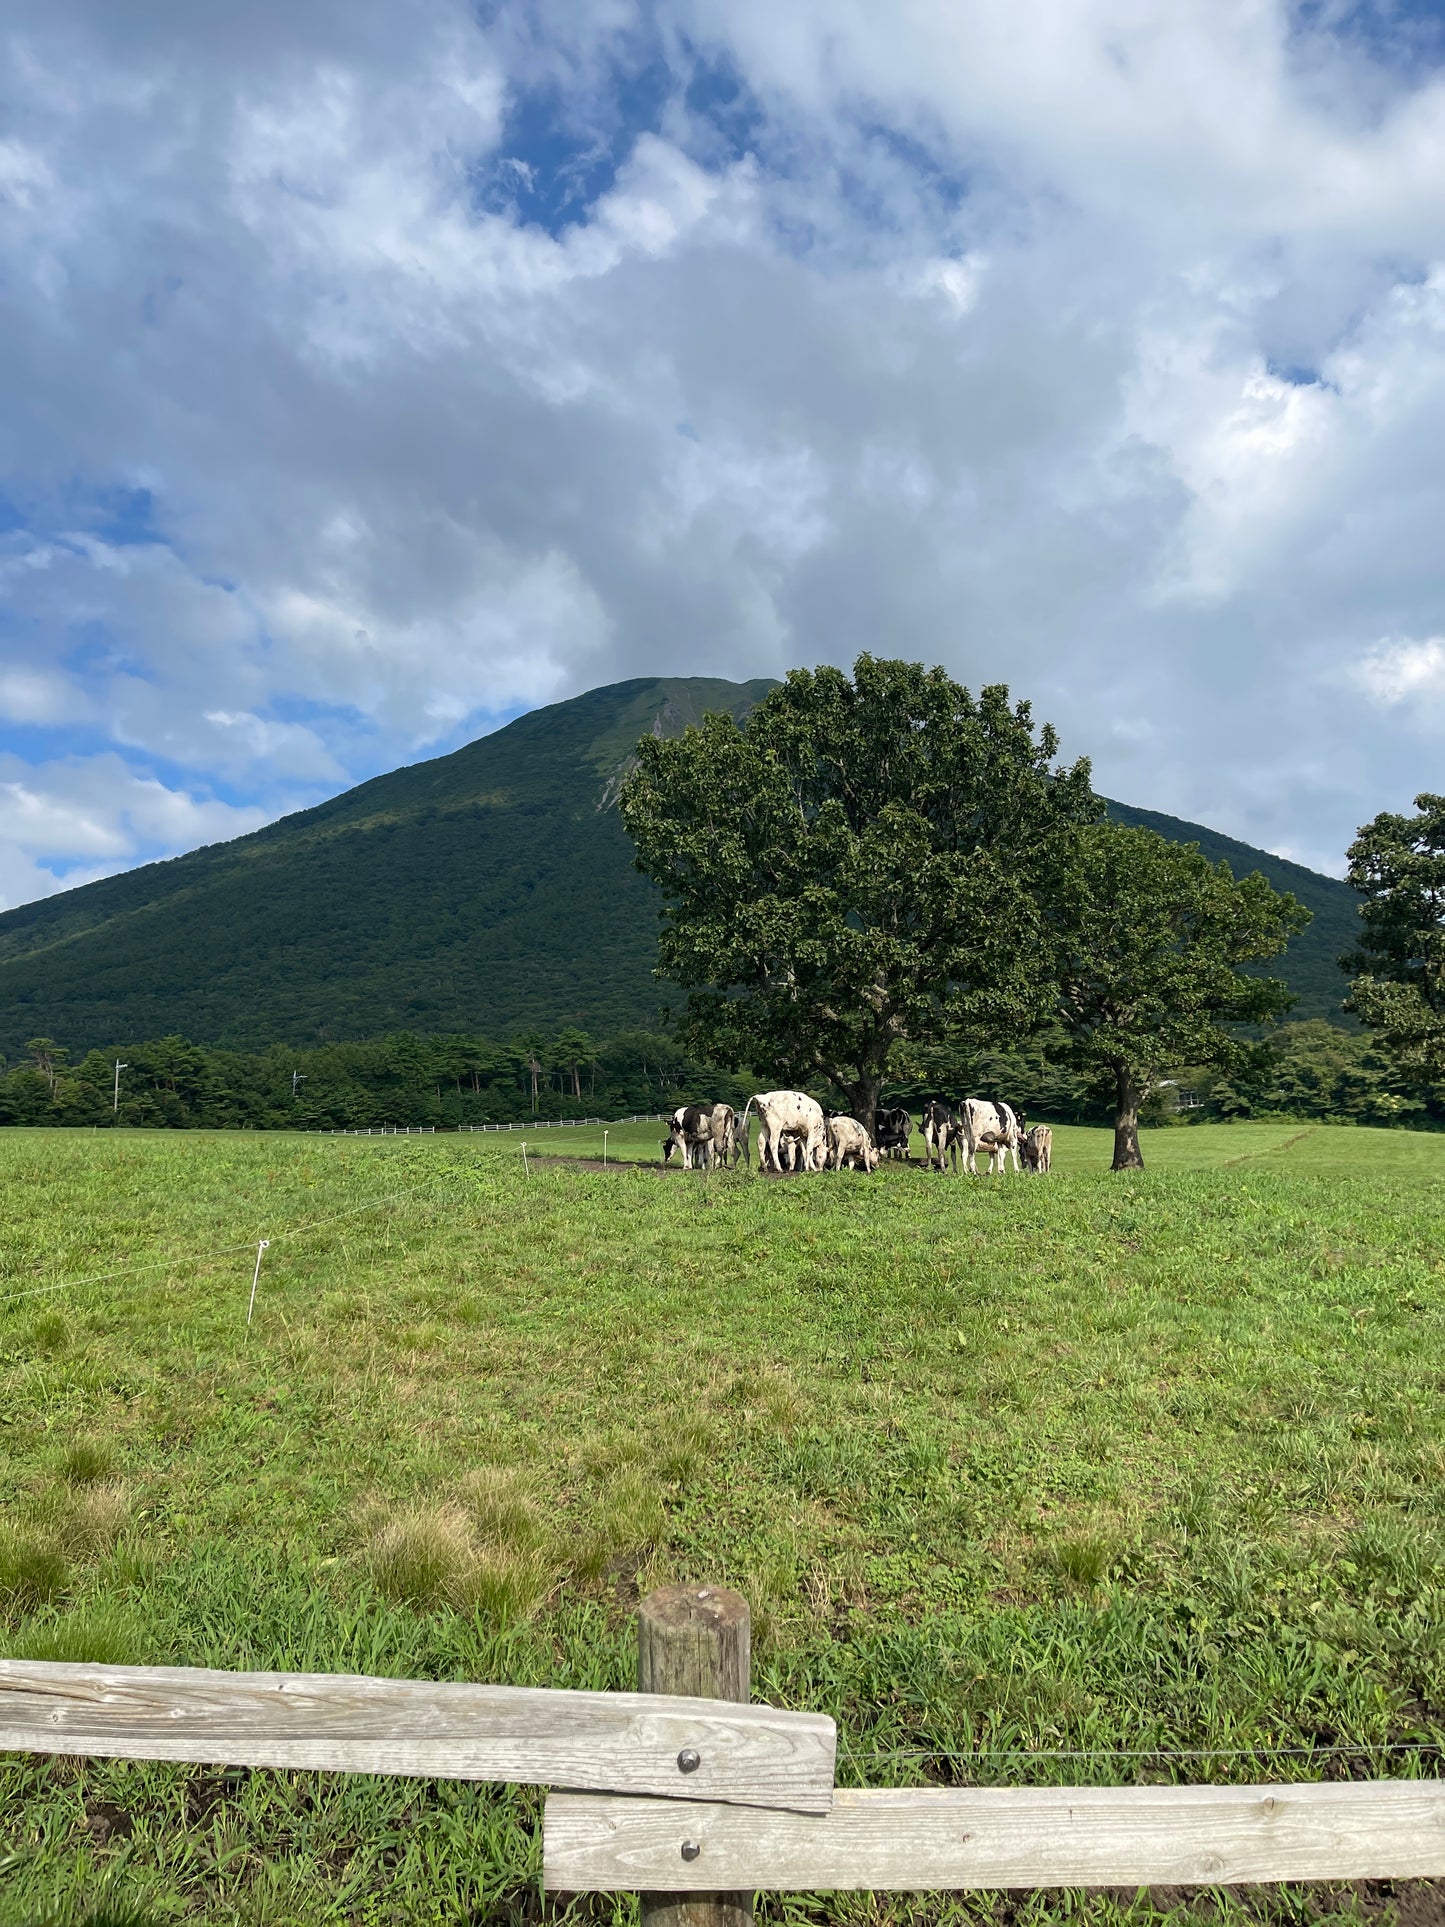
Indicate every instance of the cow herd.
{"type": "Point", "coordinates": [795, 1133]}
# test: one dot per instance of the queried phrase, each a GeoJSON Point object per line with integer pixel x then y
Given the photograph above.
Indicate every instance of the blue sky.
{"type": "Point", "coordinates": [372, 372]}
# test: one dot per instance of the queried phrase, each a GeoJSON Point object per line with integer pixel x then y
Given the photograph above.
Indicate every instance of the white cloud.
{"type": "Point", "coordinates": [1088, 344]}
{"type": "Point", "coordinates": [1398, 672]}
{"type": "Point", "coordinates": [73, 819]}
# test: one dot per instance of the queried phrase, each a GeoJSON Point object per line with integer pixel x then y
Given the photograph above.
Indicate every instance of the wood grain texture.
{"type": "Point", "coordinates": [695, 1639]}
{"type": "Point", "coordinates": [621, 1742]}
{"type": "Point", "coordinates": [933, 1838]}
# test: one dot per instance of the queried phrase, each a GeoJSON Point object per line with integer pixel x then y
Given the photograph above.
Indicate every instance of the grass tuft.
{"type": "Point", "coordinates": [1083, 1561]}
{"type": "Point", "coordinates": [89, 1636]}
{"type": "Point", "coordinates": [503, 1506]}
{"type": "Point", "coordinates": [87, 1461]}
{"type": "Point", "coordinates": [437, 1558]}
{"type": "Point", "coordinates": [421, 1558]}
{"type": "Point", "coordinates": [50, 1333]}
{"type": "Point", "coordinates": [33, 1570]}
{"type": "Point", "coordinates": [504, 1584]}
{"type": "Point", "coordinates": [95, 1520]}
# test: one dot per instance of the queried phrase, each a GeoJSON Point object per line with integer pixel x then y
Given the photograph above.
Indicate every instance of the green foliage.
{"type": "Point", "coordinates": [440, 1081]}
{"type": "Point", "coordinates": [860, 868]}
{"type": "Point", "coordinates": [1150, 937]}
{"type": "Point", "coordinates": [1316, 1070]}
{"type": "Point", "coordinates": [1311, 965]}
{"type": "Point", "coordinates": [1398, 865]}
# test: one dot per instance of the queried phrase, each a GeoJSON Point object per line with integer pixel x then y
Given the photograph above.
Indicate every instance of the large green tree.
{"type": "Point", "coordinates": [863, 863]}
{"type": "Point", "coordinates": [1150, 937]}
{"type": "Point", "coordinates": [1397, 863]}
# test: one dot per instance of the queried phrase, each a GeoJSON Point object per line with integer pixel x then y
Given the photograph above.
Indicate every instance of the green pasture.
{"type": "Point", "coordinates": [1093, 1478]}
{"type": "Point", "coordinates": [1279, 1144]}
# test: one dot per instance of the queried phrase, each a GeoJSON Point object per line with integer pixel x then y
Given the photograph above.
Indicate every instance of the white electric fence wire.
{"type": "Point", "coordinates": [222, 1251]}
{"type": "Point", "coordinates": [864, 1757]}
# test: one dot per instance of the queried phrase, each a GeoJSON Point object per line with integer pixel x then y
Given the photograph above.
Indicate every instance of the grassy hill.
{"type": "Point", "coordinates": [488, 890]}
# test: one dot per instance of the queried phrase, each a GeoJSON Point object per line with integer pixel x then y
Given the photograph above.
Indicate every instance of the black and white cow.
{"type": "Point", "coordinates": [994, 1128]}
{"type": "Point", "coordinates": [893, 1131]}
{"type": "Point", "coordinates": [940, 1133]}
{"type": "Point", "coordinates": [691, 1133]}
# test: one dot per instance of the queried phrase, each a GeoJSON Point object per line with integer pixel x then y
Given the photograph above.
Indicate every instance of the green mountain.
{"type": "Point", "coordinates": [487, 891]}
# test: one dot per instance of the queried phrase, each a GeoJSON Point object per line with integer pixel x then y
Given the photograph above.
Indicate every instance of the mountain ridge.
{"type": "Point", "coordinates": [487, 890]}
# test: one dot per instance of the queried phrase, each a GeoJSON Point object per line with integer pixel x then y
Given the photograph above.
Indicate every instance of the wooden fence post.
{"type": "Point", "coordinates": [695, 1640]}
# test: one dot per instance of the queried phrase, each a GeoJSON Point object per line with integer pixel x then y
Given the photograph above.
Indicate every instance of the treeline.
{"type": "Point", "coordinates": [1308, 1070]}
{"type": "Point", "coordinates": [1313, 1070]}
{"type": "Point", "coordinates": [402, 1079]}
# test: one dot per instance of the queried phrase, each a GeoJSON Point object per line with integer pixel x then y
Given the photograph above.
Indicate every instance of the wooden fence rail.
{"type": "Point", "coordinates": [934, 1837]}
{"type": "Point", "coordinates": [622, 1742]}
{"type": "Point", "coordinates": [688, 1786]}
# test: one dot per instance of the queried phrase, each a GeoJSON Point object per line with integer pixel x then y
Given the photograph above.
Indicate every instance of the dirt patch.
{"type": "Point", "coordinates": [596, 1164]}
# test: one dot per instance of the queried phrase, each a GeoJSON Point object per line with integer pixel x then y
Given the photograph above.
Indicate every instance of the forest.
{"type": "Point", "coordinates": [1311, 1070]}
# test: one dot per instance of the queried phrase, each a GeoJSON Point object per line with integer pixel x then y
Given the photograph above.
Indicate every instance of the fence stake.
{"type": "Point", "coordinates": [526, 1168]}
{"type": "Point", "coordinates": [263, 1244]}
{"type": "Point", "coordinates": [695, 1640]}
{"type": "Point", "coordinates": [604, 1150]}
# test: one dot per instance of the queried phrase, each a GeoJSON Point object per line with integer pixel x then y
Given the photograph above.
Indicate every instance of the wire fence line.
{"type": "Point", "coordinates": [1359, 1749]}
{"type": "Point", "coordinates": [227, 1251]}
{"type": "Point", "coordinates": [525, 1124]}
{"type": "Point", "coordinates": [316, 1224]}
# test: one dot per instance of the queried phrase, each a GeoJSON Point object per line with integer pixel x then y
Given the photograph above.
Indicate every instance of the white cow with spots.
{"type": "Point", "coordinates": [849, 1143]}
{"type": "Point", "coordinates": [786, 1119]}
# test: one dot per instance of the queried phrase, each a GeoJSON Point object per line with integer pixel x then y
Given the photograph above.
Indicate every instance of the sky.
{"type": "Point", "coordinates": [372, 371]}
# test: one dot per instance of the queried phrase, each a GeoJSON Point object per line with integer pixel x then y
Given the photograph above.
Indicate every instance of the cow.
{"type": "Point", "coordinates": [725, 1147]}
{"type": "Point", "coordinates": [940, 1133]}
{"type": "Point", "coordinates": [989, 1127]}
{"type": "Point", "coordinates": [849, 1143]}
{"type": "Point", "coordinates": [785, 1119]}
{"type": "Point", "coordinates": [892, 1131]}
{"type": "Point", "coordinates": [691, 1133]}
{"type": "Point", "coordinates": [1037, 1147]}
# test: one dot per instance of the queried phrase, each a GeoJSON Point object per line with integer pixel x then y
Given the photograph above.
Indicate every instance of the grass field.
{"type": "Point", "coordinates": [1114, 1467]}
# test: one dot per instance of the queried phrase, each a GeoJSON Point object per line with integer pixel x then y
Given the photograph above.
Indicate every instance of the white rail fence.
{"type": "Point", "coordinates": [699, 1790]}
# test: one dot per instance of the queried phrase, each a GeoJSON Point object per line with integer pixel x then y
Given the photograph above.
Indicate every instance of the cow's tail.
{"type": "Point", "coordinates": [743, 1133]}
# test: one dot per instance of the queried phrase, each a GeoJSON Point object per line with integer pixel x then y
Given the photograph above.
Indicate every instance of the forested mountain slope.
{"type": "Point", "coordinates": [488, 890]}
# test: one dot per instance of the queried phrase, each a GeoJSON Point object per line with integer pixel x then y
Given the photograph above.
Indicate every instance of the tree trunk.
{"type": "Point", "coordinates": [1127, 1155]}
{"type": "Point", "coordinates": [863, 1096]}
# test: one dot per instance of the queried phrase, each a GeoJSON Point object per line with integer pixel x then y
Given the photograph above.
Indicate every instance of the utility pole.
{"type": "Point", "coordinates": [297, 1077]}
{"type": "Point", "coordinates": [119, 1067]}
